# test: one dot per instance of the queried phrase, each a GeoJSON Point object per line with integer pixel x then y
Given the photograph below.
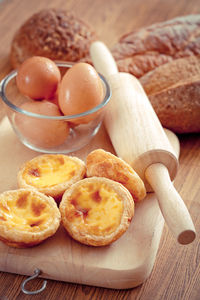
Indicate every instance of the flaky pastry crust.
{"type": "Point", "coordinates": [32, 170]}
{"type": "Point", "coordinates": [105, 164]}
{"type": "Point", "coordinates": [27, 218]}
{"type": "Point", "coordinates": [76, 217]}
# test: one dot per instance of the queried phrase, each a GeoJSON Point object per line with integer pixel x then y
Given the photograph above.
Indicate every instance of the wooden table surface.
{"type": "Point", "coordinates": [176, 273]}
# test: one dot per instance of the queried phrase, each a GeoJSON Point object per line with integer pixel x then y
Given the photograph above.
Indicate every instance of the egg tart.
{"type": "Point", "coordinates": [105, 164]}
{"type": "Point", "coordinates": [27, 217]}
{"type": "Point", "coordinates": [51, 174]}
{"type": "Point", "coordinates": [96, 211]}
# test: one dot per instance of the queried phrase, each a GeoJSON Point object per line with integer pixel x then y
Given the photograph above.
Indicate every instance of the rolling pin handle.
{"type": "Point", "coordinates": [102, 59]}
{"type": "Point", "coordinates": [133, 121]}
{"type": "Point", "coordinates": [175, 213]}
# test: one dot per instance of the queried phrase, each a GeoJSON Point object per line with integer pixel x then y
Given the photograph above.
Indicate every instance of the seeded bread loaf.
{"type": "Point", "coordinates": [165, 57]}
{"type": "Point", "coordinates": [52, 33]}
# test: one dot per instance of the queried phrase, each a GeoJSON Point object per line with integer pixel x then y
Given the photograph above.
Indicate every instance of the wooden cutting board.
{"type": "Point", "coordinates": [124, 264]}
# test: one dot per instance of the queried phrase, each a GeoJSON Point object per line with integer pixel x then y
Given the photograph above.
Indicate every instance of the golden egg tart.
{"type": "Point", "coordinates": [105, 164]}
{"type": "Point", "coordinates": [51, 174]}
{"type": "Point", "coordinates": [96, 211]}
{"type": "Point", "coordinates": [27, 217]}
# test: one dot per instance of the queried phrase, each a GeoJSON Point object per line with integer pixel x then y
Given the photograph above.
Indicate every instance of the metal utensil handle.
{"type": "Point", "coordinates": [36, 274]}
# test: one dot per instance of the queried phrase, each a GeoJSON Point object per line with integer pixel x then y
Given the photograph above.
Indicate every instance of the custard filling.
{"type": "Point", "coordinates": [95, 209]}
{"type": "Point", "coordinates": [25, 212]}
{"type": "Point", "coordinates": [49, 171]}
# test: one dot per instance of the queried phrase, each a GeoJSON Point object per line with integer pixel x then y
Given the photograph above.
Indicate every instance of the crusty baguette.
{"type": "Point", "coordinates": [145, 49]}
{"type": "Point", "coordinates": [174, 91]}
{"type": "Point", "coordinates": [53, 33]}
{"type": "Point", "coordinates": [166, 58]}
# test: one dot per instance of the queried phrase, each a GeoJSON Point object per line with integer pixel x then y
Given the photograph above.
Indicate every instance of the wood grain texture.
{"type": "Point", "coordinates": [129, 118]}
{"type": "Point", "coordinates": [176, 273]}
{"type": "Point", "coordinates": [98, 266]}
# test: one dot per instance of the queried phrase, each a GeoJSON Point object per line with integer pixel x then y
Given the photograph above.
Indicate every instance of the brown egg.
{"type": "Point", "coordinates": [38, 77]}
{"type": "Point", "coordinates": [42, 132]}
{"type": "Point", "coordinates": [80, 90]}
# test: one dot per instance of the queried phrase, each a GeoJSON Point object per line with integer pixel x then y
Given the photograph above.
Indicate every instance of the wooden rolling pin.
{"type": "Point", "coordinates": [138, 138]}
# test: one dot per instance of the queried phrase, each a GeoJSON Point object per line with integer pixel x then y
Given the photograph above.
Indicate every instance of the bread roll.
{"type": "Point", "coordinates": [174, 91]}
{"type": "Point", "coordinates": [52, 33]}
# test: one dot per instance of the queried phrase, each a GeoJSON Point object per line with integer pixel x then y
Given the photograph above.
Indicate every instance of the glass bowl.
{"type": "Point", "coordinates": [47, 134]}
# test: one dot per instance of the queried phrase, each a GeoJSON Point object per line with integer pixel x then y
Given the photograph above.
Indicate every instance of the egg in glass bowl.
{"type": "Point", "coordinates": [60, 117]}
